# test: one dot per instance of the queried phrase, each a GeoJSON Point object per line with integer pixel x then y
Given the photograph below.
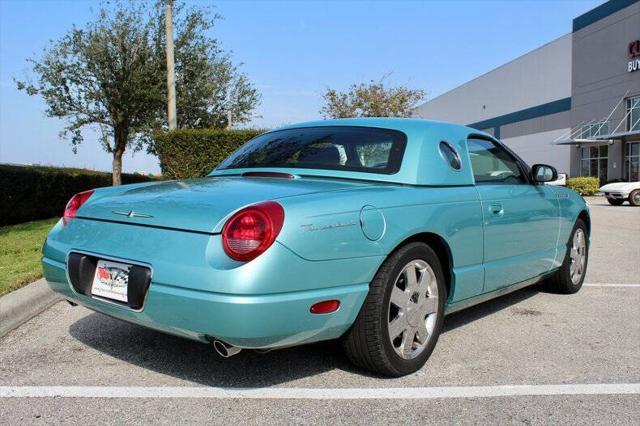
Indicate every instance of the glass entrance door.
{"type": "Point", "coordinates": [594, 161]}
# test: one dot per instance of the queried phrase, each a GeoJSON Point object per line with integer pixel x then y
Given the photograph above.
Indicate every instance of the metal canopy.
{"type": "Point", "coordinates": [575, 136]}
{"type": "Point", "coordinates": [622, 135]}
{"type": "Point", "coordinates": [581, 142]}
{"type": "Point", "coordinates": [600, 139]}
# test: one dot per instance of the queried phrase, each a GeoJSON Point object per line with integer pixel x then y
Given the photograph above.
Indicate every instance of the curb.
{"type": "Point", "coordinates": [23, 304]}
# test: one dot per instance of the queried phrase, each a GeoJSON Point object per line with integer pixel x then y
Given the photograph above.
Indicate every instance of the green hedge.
{"type": "Point", "coordinates": [190, 153]}
{"type": "Point", "coordinates": [584, 185]}
{"type": "Point", "coordinates": [36, 192]}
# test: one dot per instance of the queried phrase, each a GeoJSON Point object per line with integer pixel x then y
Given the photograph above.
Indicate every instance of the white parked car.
{"type": "Point", "coordinates": [619, 192]}
{"type": "Point", "coordinates": [561, 181]}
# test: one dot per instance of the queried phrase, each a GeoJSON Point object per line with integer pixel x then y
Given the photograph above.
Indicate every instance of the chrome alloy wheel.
{"type": "Point", "coordinates": [413, 308]}
{"type": "Point", "coordinates": [578, 256]}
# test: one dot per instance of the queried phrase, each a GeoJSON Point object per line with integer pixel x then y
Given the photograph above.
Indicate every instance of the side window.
{"type": "Point", "coordinates": [492, 164]}
{"type": "Point", "coordinates": [450, 155]}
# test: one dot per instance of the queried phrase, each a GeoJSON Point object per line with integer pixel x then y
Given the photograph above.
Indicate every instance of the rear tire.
{"type": "Point", "coordinates": [634, 198]}
{"type": "Point", "coordinates": [569, 278]}
{"type": "Point", "coordinates": [615, 202]}
{"type": "Point", "coordinates": [401, 319]}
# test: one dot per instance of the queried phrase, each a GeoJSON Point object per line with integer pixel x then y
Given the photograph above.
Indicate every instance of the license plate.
{"type": "Point", "coordinates": [111, 280]}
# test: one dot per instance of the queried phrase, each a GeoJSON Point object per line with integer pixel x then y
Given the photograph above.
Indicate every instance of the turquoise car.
{"type": "Point", "coordinates": [367, 230]}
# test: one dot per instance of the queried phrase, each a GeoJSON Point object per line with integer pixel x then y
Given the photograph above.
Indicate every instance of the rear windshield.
{"type": "Point", "coordinates": [361, 149]}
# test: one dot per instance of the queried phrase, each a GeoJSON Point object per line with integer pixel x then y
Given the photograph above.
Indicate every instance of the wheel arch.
{"type": "Point", "coordinates": [443, 251]}
{"type": "Point", "coordinates": [586, 218]}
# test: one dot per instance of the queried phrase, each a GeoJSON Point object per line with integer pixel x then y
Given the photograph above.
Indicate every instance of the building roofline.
{"type": "Point", "coordinates": [600, 12]}
{"type": "Point", "coordinates": [494, 69]}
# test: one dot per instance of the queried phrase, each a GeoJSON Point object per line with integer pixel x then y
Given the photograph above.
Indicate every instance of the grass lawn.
{"type": "Point", "coordinates": [20, 252]}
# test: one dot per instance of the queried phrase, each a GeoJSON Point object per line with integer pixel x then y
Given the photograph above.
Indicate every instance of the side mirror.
{"type": "Point", "coordinates": [542, 173]}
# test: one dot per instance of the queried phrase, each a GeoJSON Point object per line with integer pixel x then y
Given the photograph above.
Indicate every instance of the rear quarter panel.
{"type": "Point", "coordinates": [330, 226]}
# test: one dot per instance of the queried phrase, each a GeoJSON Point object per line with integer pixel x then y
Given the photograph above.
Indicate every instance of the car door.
{"type": "Point", "coordinates": [521, 219]}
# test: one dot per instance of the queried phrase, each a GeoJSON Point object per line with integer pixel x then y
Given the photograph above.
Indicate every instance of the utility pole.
{"type": "Point", "coordinates": [171, 77]}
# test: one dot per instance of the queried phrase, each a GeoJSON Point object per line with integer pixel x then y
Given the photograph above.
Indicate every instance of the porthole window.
{"type": "Point", "coordinates": [450, 155]}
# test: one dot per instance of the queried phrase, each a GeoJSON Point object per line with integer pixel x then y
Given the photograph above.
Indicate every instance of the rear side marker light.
{"type": "Point", "coordinates": [74, 205]}
{"type": "Point", "coordinates": [252, 230]}
{"type": "Point", "coordinates": [325, 307]}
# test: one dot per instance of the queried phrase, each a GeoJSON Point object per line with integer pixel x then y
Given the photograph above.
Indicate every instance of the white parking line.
{"type": "Point", "coordinates": [313, 393]}
{"type": "Point", "coordinates": [627, 209]}
{"type": "Point", "coordinates": [612, 285]}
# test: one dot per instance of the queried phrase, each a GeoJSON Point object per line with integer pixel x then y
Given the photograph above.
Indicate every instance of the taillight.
{"type": "Point", "coordinates": [74, 204]}
{"type": "Point", "coordinates": [252, 230]}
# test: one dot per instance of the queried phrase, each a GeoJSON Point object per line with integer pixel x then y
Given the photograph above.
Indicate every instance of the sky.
{"type": "Point", "coordinates": [292, 51]}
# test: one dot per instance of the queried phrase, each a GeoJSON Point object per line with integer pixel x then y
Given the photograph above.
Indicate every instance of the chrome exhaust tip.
{"type": "Point", "coordinates": [225, 350]}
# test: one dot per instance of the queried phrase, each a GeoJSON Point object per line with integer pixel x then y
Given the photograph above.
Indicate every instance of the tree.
{"type": "Point", "coordinates": [111, 74]}
{"type": "Point", "coordinates": [371, 100]}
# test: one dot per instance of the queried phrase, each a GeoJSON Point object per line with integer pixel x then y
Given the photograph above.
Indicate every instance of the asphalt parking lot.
{"type": "Point", "coordinates": [529, 357]}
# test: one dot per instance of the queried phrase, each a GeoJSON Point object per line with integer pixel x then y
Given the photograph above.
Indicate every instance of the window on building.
{"type": "Point", "coordinates": [633, 114]}
{"type": "Point", "coordinates": [632, 162]}
{"type": "Point", "coordinates": [594, 161]}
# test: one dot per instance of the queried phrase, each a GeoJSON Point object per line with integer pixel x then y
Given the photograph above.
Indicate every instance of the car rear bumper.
{"type": "Point", "coordinates": [258, 321]}
{"type": "Point", "coordinates": [196, 293]}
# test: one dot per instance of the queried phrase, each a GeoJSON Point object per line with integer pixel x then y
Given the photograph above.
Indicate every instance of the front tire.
{"type": "Point", "coordinates": [615, 201]}
{"type": "Point", "coordinates": [401, 318]}
{"type": "Point", "coordinates": [634, 198]}
{"type": "Point", "coordinates": [569, 278]}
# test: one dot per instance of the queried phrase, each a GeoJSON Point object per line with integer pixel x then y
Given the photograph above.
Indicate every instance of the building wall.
{"type": "Point", "coordinates": [541, 82]}
{"type": "Point", "coordinates": [540, 124]}
{"type": "Point", "coordinates": [538, 77]}
{"type": "Point", "coordinates": [535, 148]}
{"type": "Point", "coordinates": [600, 77]}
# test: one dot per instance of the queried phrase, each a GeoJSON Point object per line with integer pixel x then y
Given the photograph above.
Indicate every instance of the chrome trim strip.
{"type": "Point", "coordinates": [146, 225]}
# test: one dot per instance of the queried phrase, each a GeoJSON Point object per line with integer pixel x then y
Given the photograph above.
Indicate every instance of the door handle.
{"type": "Point", "coordinates": [496, 209]}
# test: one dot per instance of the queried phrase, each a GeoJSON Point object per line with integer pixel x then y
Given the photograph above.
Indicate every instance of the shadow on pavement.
{"type": "Point", "coordinates": [464, 317]}
{"type": "Point", "coordinates": [196, 362]}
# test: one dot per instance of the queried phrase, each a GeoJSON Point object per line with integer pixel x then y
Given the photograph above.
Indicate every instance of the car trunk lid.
{"type": "Point", "coordinates": [198, 205]}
